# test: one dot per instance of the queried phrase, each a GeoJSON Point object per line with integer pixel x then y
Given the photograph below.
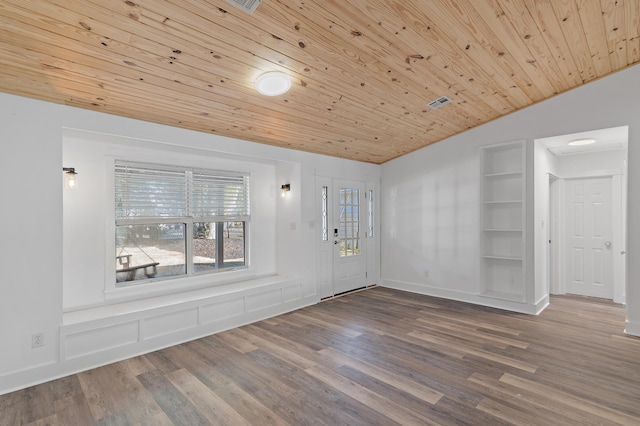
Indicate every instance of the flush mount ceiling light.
{"type": "Point", "coordinates": [273, 83]}
{"type": "Point", "coordinates": [578, 142]}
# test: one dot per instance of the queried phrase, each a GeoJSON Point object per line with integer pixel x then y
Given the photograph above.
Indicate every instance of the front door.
{"type": "Point", "coordinates": [347, 234]}
{"type": "Point", "coordinates": [588, 236]}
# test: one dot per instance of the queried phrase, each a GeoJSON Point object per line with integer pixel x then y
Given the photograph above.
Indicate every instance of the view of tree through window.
{"type": "Point", "coordinates": [206, 251]}
{"type": "Point", "coordinates": [172, 222]}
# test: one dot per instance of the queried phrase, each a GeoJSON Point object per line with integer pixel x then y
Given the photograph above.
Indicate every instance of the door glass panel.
{"type": "Point", "coordinates": [349, 222]}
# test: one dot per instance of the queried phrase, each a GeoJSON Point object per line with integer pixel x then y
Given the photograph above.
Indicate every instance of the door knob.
{"type": "Point", "coordinates": [607, 244]}
{"type": "Point", "coordinates": [336, 242]}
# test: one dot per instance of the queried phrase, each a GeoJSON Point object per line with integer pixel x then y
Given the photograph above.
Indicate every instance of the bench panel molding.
{"type": "Point", "coordinates": [107, 334]}
{"type": "Point", "coordinates": [133, 328]}
{"type": "Point", "coordinates": [102, 339]}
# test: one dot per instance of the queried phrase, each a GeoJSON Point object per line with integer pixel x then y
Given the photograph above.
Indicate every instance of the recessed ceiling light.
{"type": "Point", "coordinates": [582, 142]}
{"type": "Point", "coordinates": [273, 83]}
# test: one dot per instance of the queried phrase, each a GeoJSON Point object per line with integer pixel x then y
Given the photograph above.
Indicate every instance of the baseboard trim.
{"type": "Point", "coordinates": [476, 299]}
{"type": "Point", "coordinates": [542, 304]}
{"type": "Point", "coordinates": [632, 328]}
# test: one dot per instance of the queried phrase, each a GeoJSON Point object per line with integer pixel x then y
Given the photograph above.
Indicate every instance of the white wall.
{"type": "Point", "coordinates": [413, 205]}
{"type": "Point", "coordinates": [430, 219]}
{"type": "Point", "coordinates": [592, 164]}
{"type": "Point", "coordinates": [31, 217]}
{"type": "Point", "coordinates": [32, 284]}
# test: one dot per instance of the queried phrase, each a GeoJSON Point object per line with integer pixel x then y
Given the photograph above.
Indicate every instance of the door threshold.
{"type": "Point", "coordinates": [355, 290]}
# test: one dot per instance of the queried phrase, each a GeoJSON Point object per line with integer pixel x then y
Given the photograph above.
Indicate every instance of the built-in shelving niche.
{"type": "Point", "coordinates": [502, 220]}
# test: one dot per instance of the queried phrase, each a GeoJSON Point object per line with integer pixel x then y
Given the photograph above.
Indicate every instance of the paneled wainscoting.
{"type": "Point", "coordinates": [379, 356]}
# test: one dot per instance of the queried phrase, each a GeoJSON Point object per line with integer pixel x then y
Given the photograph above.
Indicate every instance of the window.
{"type": "Point", "coordinates": [325, 212]}
{"type": "Point", "coordinates": [349, 222]}
{"type": "Point", "coordinates": [370, 199]}
{"type": "Point", "coordinates": [172, 222]}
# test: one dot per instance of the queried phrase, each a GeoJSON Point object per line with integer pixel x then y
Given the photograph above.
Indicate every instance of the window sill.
{"type": "Point", "coordinates": [161, 287]}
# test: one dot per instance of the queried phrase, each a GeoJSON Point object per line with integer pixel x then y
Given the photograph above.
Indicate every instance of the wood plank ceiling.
{"type": "Point", "coordinates": [363, 71]}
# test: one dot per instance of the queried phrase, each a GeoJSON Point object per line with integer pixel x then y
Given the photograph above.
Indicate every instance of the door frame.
{"type": "Point", "coordinates": [349, 270]}
{"type": "Point", "coordinates": [557, 217]}
{"type": "Point", "coordinates": [554, 248]}
{"type": "Point", "coordinates": [324, 248]}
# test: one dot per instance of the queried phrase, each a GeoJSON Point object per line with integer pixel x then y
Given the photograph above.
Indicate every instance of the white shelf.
{"type": "Point", "coordinates": [502, 213]}
{"type": "Point", "coordinates": [518, 259]}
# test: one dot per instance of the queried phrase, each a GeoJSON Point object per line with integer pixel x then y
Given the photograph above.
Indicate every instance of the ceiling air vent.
{"type": "Point", "coordinates": [441, 101]}
{"type": "Point", "coordinates": [248, 6]}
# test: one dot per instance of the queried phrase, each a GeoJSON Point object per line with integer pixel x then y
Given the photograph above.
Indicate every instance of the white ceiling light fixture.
{"type": "Point", "coordinates": [273, 83]}
{"type": "Point", "coordinates": [579, 142]}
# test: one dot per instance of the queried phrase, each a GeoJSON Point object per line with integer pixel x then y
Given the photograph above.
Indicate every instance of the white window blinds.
{"type": "Point", "coordinates": [151, 190]}
{"type": "Point", "coordinates": [220, 195]}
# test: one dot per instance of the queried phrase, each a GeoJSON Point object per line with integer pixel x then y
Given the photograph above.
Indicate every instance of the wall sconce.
{"type": "Point", "coordinates": [70, 177]}
{"type": "Point", "coordinates": [285, 188]}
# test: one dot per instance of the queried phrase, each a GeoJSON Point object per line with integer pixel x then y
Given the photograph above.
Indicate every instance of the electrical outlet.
{"type": "Point", "coordinates": [426, 274]}
{"type": "Point", "coordinates": [37, 340]}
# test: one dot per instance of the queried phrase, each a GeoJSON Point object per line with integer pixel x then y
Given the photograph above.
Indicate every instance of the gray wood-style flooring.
{"type": "Point", "coordinates": [378, 356]}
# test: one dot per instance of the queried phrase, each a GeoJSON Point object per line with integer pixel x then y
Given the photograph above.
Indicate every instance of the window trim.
{"type": "Point", "coordinates": [192, 279]}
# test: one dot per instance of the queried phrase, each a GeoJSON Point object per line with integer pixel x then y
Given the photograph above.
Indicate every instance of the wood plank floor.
{"type": "Point", "coordinates": [378, 356]}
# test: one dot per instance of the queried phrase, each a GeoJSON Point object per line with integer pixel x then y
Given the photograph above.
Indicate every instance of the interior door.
{"type": "Point", "coordinates": [589, 233]}
{"type": "Point", "coordinates": [349, 248]}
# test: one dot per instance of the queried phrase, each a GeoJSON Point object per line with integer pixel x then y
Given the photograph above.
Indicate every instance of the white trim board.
{"type": "Point", "coordinates": [632, 328]}
{"type": "Point", "coordinates": [476, 299]}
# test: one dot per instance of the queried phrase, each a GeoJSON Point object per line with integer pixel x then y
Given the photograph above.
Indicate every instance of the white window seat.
{"type": "Point", "coordinates": [152, 306]}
